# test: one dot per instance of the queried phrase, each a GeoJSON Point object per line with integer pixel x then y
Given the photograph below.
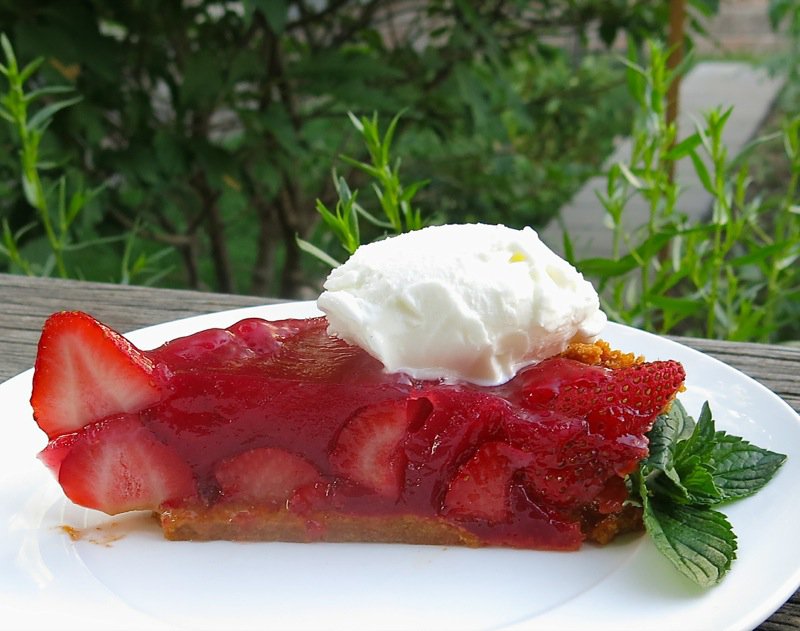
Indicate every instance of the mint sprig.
{"type": "Point", "coordinates": [691, 468]}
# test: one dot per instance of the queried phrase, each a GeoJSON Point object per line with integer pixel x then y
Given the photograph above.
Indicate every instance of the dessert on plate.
{"type": "Point", "coordinates": [453, 392]}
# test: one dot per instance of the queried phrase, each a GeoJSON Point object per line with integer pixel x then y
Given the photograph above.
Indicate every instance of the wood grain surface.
{"type": "Point", "coordinates": [26, 302]}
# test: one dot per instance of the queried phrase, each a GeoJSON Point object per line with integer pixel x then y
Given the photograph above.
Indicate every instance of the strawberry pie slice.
{"type": "Point", "coordinates": [276, 430]}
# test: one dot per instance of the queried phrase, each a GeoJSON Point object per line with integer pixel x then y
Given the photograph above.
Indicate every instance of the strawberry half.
{"type": "Point", "coordinates": [117, 465]}
{"type": "Point", "coordinates": [264, 475]}
{"type": "Point", "coordinates": [86, 372]}
{"type": "Point", "coordinates": [368, 450]}
{"type": "Point", "coordinates": [615, 402]}
{"type": "Point", "coordinates": [482, 487]}
{"type": "Point", "coordinates": [443, 436]}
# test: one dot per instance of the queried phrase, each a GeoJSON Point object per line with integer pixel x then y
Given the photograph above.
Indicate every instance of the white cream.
{"type": "Point", "coordinates": [468, 302]}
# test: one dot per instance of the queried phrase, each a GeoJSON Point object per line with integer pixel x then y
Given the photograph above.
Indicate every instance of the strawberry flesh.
{"type": "Point", "coordinates": [615, 402]}
{"type": "Point", "coordinates": [487, 494]}
{"type": "Point", "coordinates": [85, 372]}
{"type": "Point", "coordinates": [482, 487]}
{"type": "Point", "coordinates": [117, 465]}
{"type": "Point", "coordinates": [265, 475]}
{"type": "Point", "coordinates": [455, 420]}
{"type": "Point", "coordinates": [368, 449]}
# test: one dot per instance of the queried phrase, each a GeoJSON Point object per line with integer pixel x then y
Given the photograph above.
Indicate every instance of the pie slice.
{"type": "Point", "coordinates": [278, 431]}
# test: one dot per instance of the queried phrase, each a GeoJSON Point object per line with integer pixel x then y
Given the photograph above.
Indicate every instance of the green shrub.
{"type": "Point", "coordinates": [211, 128]}
{"type": "Point", "coordinates": [733, 275]}
{"type": "Point", "coordinates": [58, 197]}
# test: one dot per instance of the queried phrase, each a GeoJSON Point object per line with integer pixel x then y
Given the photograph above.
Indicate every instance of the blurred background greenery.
{"type": "Point", "coordinates": [196, 136]}
{"type": "Point", "coordinates": [213, 126]}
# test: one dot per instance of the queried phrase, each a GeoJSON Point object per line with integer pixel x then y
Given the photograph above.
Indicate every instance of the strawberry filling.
{"type": "Point", "coordinates": [281, 418]}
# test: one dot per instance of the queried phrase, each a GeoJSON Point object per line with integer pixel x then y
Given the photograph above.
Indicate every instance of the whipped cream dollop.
{"type": "Point", "coordinates": [468, 302]}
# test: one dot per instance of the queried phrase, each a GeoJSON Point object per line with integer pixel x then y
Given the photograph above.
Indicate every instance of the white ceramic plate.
{"type": "Point", "coordinates": [120, 573]}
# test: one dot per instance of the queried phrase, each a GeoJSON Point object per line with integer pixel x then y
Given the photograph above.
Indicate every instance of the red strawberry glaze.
{"type": "Point", "coordinates": [521, 464]}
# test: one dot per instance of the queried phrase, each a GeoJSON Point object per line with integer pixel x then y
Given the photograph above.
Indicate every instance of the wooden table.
{"type": "Point", "coordinates": [26, 302]}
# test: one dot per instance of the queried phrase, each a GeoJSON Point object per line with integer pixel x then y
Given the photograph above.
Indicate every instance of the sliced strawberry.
{"type": "Point", "coordinates": [571, 486]}
{"type": "Point", "coordinates": [58, 449]}
{"type": "Point", "coordinates": [543, 383]}
{"type": "Point", "coordinates": [444, 437]}
{"type": "Point", "coordinates": [615, 402]}
{"type": "Point", "coordinates": [86, 372]}
{"type": "Point", "coordinates": [570, 464]}
{"type": "Point", "coordinates": [369, 450]}
{"type": "Point", "coordinates": [482, 487]}
{"type": "Point", "coordinates": [264, 475]}
{"type": "Point", "coordinates": [645, 389]}
{"type": "Point", "coordinates": [117, 465]}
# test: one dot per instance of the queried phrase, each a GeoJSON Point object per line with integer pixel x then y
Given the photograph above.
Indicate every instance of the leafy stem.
{"type": "Point", "coordinates": [395, 198]}
{"type": "Point", "coordinates": [30, 130]}
{"type": "Point", "coordinates": [730, 275]}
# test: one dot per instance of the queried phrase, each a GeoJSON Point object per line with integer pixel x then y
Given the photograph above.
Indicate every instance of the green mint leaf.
{"type": "Point", "coordinates": [687, 421]}
{"type": "Point", "coordinates": [658, 469]}
{"type": "Point", "coordinates": [701, 442]}
{"type": "Point", "coordinates": [668, 485]}
{"type": "Point", "coordinates": [699, 542]}
{"type": "Point", "coordinates": [692, 467]}
{"type": "Point", "coordinates": [694, 463]}
{"type": "Point", "coordinates": [740, 468]}
{"type": "Point", "coordinates": [693, 483]}
{"type": "Point", "coordinates": [668, 429]}
{"type": "Point", "coordinates": [697, 477]}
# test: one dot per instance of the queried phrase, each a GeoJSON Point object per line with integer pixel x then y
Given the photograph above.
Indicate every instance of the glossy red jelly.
{"type": "Point", "coordinates": [283, 414]}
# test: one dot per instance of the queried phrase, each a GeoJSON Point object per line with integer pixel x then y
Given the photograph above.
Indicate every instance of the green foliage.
{"type": "Point", "coordinates": [29, 129]}
{"type": "Point", "coordinates": [58, 200]}
{"type": "Point", "coordinates": [538, 126]}
{"type": "Point", "coordinates": [691, 468]}
{"type": "Point", "coordinates": [214, 126]}
{"type": "Point", "coordinates": [731, 276]}
{"type": "Point", "coordinates": [394, 198]}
